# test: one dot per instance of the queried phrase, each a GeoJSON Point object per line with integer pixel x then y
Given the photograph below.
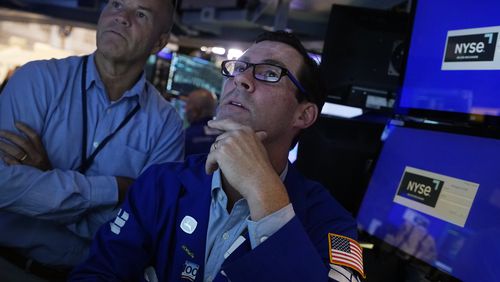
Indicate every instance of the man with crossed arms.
{"type": "Point", "coordinates": [74, 133]}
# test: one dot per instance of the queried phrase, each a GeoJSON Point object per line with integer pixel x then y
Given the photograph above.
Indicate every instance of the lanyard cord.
{"type": "Point", "coordinates": [86, 162]}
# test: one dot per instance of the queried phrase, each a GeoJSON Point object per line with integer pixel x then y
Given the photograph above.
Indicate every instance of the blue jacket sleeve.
{"type": "Point", "coordinates": [121, 249]}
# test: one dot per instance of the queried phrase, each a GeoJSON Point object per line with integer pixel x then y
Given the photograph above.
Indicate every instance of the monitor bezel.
{"type": "Point", "coordinates": [479, 124]}
{"type": "Point", "coordinates": [378, 243]}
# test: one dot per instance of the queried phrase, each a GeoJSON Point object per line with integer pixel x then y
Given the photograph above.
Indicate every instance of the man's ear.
{"type": "Point", "coordinates": [307, 113]}
{"type": "Point", "coordinates": [162, 42]}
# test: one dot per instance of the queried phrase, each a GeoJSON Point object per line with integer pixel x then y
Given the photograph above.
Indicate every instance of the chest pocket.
{"type": "Point", "coordinates": [119, 160]}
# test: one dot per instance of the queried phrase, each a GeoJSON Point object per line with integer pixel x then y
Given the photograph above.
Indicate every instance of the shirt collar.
{"type": "Point", "coordinates": [139, 89]}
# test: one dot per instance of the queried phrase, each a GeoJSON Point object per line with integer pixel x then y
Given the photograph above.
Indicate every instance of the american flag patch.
{"type": "Point", "coordinates": [346, 251]}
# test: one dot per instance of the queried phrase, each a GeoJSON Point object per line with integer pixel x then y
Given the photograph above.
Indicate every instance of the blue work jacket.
{"type": "Point", "coordinates": [147, 232]}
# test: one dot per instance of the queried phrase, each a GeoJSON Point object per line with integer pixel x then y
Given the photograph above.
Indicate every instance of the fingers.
{"type": "Point", "coordinates": [225, 125]}
{"type": "Point", "coordinates": [10, 160]}
{"type": "Point", "coordinates": [11, 151]}
{"type": "Point", "coordinates": [214, 145]}
{"type": "Point", "coordinates": [235, 136]}
{"type": "Point", "coordinates": [26, 148]}
{"type": "Point", "coordinates": [22, 143]}
{"type": "Point", "coordinates": [32, 135]}
{"type": "Point", "coordinates": [20, 148]}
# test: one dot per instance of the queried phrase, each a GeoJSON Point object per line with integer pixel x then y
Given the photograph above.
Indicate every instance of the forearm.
{"type": "Point", "coordinates": [123, 184]}
{"type": "Point", "coordinates": [88, 225]}
{"type": "Point", "coordinates": [271, 197]}
{"type": "Point", "coordinates": [57, 195]}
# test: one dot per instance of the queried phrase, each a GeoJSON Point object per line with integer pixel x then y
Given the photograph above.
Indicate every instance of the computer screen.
{"type": "Point", "coordinates": [188, 73]}
{"type": "Point", "coordinates": [436, 197]}
{"type": "Point", "coordinates": [453, 62]}
{"type": "Point", "coordinates": [362, 56]}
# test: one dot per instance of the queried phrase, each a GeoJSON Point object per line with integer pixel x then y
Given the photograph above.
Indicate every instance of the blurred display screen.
{"type": "Point", "coordinates": [438, 199]}
{"type": "Point", "coordinates": [189, 73]}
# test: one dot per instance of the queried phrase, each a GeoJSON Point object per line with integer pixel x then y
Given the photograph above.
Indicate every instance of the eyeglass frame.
{"type": "Point", "coordinates": [284, 71]}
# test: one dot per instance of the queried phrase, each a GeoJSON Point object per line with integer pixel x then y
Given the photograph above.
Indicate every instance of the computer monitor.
{"type": "Point", "coordinates": [453, 66]}
{"type": "Point", "coordinates": [189, 73]}
{"type": "Point", "coordinates": [363, 55]}
{"type": "Point", "coordinates": [435, 196]}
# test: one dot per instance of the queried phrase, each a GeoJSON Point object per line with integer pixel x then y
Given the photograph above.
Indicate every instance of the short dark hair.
{"type": "Point", "coordinates": [308, 75]}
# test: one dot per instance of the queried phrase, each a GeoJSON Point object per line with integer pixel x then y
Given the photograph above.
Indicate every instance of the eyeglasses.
{"type": "Point", "coordinates": [262, 72]}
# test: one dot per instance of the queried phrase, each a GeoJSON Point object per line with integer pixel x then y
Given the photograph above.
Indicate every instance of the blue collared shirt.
{"type": "Point", "coordinates": [225, 228]}
{"type": "Point", "coordinates": [70, 206]}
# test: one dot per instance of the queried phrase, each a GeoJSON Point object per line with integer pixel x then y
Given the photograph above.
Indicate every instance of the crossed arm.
{"type": "Point", "coordinates": [31, 184]}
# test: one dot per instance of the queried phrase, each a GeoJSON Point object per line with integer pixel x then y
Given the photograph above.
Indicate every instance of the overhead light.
{"type": "Point", "coordinates": [218, 50]}
{"type": "Point", "coordinates": [234, 53]}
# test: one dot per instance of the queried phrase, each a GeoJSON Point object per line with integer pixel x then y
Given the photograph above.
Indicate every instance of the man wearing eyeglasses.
{"type": "Point", "coordinates": [242, 213]}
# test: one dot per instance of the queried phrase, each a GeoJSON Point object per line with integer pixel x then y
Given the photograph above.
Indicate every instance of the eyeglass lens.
{"type": "Point", "coordinates": [264, 72]}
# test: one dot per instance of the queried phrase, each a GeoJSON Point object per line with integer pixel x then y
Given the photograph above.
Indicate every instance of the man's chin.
{"type": "Point", "coordinates": [110, 54]}
{"type": "Point", "coordinates": [111, 48]}
{"type": "Point", "coordinates": [236, 118]}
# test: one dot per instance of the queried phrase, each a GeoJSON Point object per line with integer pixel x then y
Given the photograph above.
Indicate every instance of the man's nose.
{"type": "Point", "coordinates": [123, 18]}
{"type": "Point", "coordinates": [245, 80]}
